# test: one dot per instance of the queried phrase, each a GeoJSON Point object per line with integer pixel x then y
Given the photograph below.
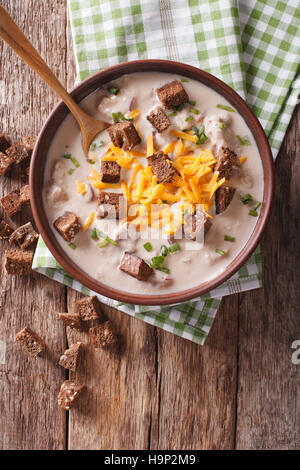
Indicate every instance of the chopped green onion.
{"type": "Point", "coordinates": [179, 107]}
{"type": "Point", "coordinates": [228, 238]}
{"type": "Point", "coordinates": [220, 252]}
{"type": "Point", "coordinates": [72, 245]}
{"type": "Point", "coordinates": [114, 90]}
{"type": "Point", "coordinates": [96, 144]}
{"type": "Point", "coordinates": [71, 171]}
{"type": "Point", "coordinates": [110, 240]}
{"type": "Point", "coordinates": [201, 129]}
{"type": "Point", "coordinates": [68, 156]}
{"type": "Point", "coordinates": [106, 237]}
{"type": "Point", "coordinates": [174, 247]}
{"type": "Point", "coordinates": [172, 114]}
{"type": "Point", "coordinates": [94, 234]}
{"type": "Point", "coordinates": [75, 162]}
{"type": "Point", "coordinates": [157, 263]}
{"type": "Point", "coordinates": [257, 205]}
{"type": "Point", "coordinates": [253, 213]}
{"type": "Point", "coordinates": [194, 110]}
{"type": "Point", "coordinates": [222, 125]}
{"type": "Point", "coordinates": [148, 246]}
{"type": "Point", "coordinates": [115, 117]}
{"type": "Point", "coordinates": [164, 250]}
{"type": "Point", "coordinates": [202, 138]}
{"type": "Point", "coordinates": [184, 80]}
{"type": "Point", "coordinates": [91, 161]}
{"type": "Point", "coordinates": [243, 140]}
{"type": "Point", "coordinates": [192, 103]}
{"type": "Point", "coordinates": [163, 269]}
{"type": "Point", "coordinates": [200, 134]}
{"type": "Point", "coordinates": [157, 260]}
{"type": "Point", "coordinates": [246, 199]}
{"type": "Point", "coordinates": [189, 118]}
{"type": "Point", "coordinates": [103, 243]}
{"type": "Point", "coordinates": [227, 108]}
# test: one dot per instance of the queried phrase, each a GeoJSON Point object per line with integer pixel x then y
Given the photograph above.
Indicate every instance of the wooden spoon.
{"type": "Point", "coordinates": [12, 34]}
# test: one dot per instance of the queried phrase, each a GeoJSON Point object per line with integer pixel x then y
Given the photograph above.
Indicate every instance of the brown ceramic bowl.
{"type": "Point", "coordinates": [87, 87]}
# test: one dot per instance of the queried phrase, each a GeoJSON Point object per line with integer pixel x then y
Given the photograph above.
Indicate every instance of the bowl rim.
{"type": "Point", "coordinates": [99, 79]}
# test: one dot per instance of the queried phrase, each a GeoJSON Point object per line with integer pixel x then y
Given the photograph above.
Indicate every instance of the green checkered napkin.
{"type": "Point", "coordinates": [253, 45]}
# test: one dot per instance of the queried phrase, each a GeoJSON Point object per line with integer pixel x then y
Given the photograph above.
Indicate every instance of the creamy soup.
{"type": "Point", "coordinates": [187, 211]}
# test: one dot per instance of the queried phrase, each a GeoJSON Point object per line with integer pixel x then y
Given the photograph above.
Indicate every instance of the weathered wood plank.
{"type": "Point", "coordinates": [154, 390]}
{"type": "Point", "coordinates": [30, 417]}
{"type": "Point", "coordinates": [268, 391]}
{"type": "Point", "coordinates": [197, 387]}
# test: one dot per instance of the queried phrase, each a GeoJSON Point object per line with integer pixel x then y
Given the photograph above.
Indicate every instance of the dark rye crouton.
{"type": "Point", "coordinates": [223, 198]}
{"type": "Point", "coordinates": [172, 94]}
{"type": "Point", "coordinates": [30, 342]}
{"type": "Point", "coordinates": [23, 236]}
{"type": "Point", "coordinates": [6, 163]}
{"type": "Point", "coordinates": [102, 335]}
{"type": "Point", "coordinates": [5, 230]}
{"type": "Point", "coordinates": [124, 135]}
{"type": "Point", "coordinates": [161, 167]}
{"type": "Point", "coordinates": [14, 201]}
{"type": "Point", "coordinates": [195, 224]}
{"type": "Point", "coordinates": [18, 261]}
{"type": "Point", "coordinates": [11, 202]}
{"type": "Point", "coordinates": [159, 119]}
{"type": "Point", "coordinates": [70, 319]}
{"type": "Point", "coordinates": [67, 225]}
{"type": "Point", "coordinates": [4, 143]}
{"type": "Point", "coordinates": [88, 308]}
{"type": "Point", "coordinates": [17, 152]}
{"type": "Point", "coordinates": [109, 205]}
{"type": "Point", "coordinates": [227, 163]}
{"type": "Point", "coordinates": [29, 142]}
{"type": "Point", "coordinates": [135, 267]}
{"type": "Point", "coordinates": [110, 172]}
{"type": "Point", "coordinates": [68, 394]}
{"type": "Point", "coordinates": [25, 195]}
{"type": "Point", "coordinates": [70, 358]}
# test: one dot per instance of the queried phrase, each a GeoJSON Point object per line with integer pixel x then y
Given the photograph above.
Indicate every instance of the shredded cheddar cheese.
{"type": "Point", "coordinates": [150, 146]}
{"type": "Point", "coordinates": [80, 187]}
{"type": "Point", "coordinates": [185, 136]}
{"type": "Point", "coordinates": [170, 147]}
{"type": "Point", "coordinates": [243, 159]}
{"type": "Point", "coordinates": [136, 168]}
{"type": "Point", "coordinates": [125, 162]}
{"type": "Point", "coordinates": [110, 158]}
{"type": "Point", "coordinates": [88, 222]}
{"type": "Point", "coordinates": [136, 153]}
{"type": "Point", "coordinates": [125, 191]}
{"type": "Point", "coordinates": [134, 113]}
{"type": "Point", "coordinates": [179, 148]}
{"type": "Point", "coordinates": [195, 183]}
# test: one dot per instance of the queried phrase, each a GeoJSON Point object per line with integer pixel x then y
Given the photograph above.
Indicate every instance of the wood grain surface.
{"type": "Point", "coordinates": [152, 390]}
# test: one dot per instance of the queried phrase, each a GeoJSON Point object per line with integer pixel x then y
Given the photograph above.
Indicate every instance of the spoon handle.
{"type": "Point", "coordinates": [12, 34]}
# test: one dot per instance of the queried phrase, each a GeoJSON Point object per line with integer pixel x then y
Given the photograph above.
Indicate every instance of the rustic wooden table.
{"type": "Point", "coordinates": [156, 391]}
